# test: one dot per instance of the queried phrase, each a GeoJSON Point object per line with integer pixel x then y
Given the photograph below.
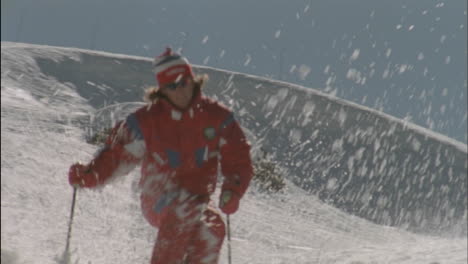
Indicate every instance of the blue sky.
{"type": "Point", "coordinates": [406, 58]}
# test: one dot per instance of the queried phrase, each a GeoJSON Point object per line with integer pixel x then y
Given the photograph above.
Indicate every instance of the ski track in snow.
{"type": "Point", "coordinates": [42, 135]}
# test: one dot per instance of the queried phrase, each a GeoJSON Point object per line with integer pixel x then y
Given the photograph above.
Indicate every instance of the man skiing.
{"type": "Point", "coordinates": [179, 139]}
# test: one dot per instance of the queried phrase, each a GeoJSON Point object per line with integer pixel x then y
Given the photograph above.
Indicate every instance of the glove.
{"type": "Point", "coordinates": [81, 175]}
{"type": "Point", "coordinates": [229, 201]}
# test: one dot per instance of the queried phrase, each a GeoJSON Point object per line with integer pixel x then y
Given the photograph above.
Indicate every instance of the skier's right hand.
{"type": "Point", "coordinates": [229, 202]}
{"type": "Point", "coordinates": [81, 175]}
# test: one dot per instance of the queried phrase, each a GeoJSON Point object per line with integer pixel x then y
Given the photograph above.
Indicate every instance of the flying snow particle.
{"type": "Point", "coordinates": [248, 58]}
{"type": "Point", "coordinates": [388, 53]}
{"type": "Point", "coordinates": [221, 55]}
{"type": "Point", "coordinates": [444, 92]}
{"type": "Point", "coordinates": [332, 184]}
{"type": "Point", "coordinates": [205, 61]}
{"type": "Point", "coordinates": [329, 82]}
{"type": "Point", "coordinates": [354, 75]}
{"type": "Point", "coordinates": [403, 68]}
{"type": "Point", "coordinates": [360, 153]}
{"type": "Point", "coordinates": [410, 27]}
{"type": "Point", "coordinates": [272, 102]}
{"type": "Point", "coordinates": [399, 26]}
{"type": "Point", "coordinates": [309, 108]}
{"type": "Point", "coordinates": [307, 112]}
{"type": "Point", "coordinates": [386, 74]}
{"type": "Point", "coordinates": [426, 71]}
{"type": "Point", "coordinates": [443, 38]}
{"type": "Point", "coordinates": [303, 71]}
{"type": "Point", "coordinates": [278, 33]}
{"type": "Point", "coordinates": [355, 55]}
{"type": "Point", "coordinates": [293, 68]}
{"type": "Point", "coordinates": [371, 73]}
{"type": "Point", "coordinates": [442, 109]}
{"type": "Point", "coordinates": [205, 39]}
{"type": "Point", "coordinates": [342, 116]}
{"type": "Point", "coordinates": [295, 136]}
{"type": "Point", "coordinates": [447, 59]}
{"type": "Point", "coordinates": [306, 8]}
{"type": "Point", "coordinates": [416, 144]}
{"type": "Point", "coordinates": [333, 92]}
{"type": "Point", "coordinates": [421, 56]}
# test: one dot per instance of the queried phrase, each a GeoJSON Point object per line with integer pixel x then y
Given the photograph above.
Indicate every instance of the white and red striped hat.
{"type": "Point", "coordinates": [171, 67]}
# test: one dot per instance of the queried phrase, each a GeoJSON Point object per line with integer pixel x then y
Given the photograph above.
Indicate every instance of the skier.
{"type": "Point", "coordinates": [179, 139]}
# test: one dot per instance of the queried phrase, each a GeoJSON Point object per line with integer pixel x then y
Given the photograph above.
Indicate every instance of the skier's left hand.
{"type": "Point", "coordinates": [229, 201]}
{"type": "Point", "coordinates": [80, 175]}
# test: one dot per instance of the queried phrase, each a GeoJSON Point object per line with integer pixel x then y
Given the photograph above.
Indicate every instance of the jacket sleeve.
{"type": "Point", "coordinates": [236, 165]}
{"type": "Point", "coordinates": [122, 151]}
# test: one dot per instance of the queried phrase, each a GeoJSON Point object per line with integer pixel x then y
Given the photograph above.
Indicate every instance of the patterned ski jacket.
{"type": "Point", "coordinates": [178, 149]}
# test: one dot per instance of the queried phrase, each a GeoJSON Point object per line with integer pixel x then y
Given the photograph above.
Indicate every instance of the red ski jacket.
{"type": "Point", "coordinates": [178, 149]}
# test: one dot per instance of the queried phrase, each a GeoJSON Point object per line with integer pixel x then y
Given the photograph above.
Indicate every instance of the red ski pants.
{"type": "Point", "coordinates": [190, 231]}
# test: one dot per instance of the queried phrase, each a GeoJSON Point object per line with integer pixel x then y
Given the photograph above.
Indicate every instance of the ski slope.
{"type": "Point", "coordinates": [46, 119]}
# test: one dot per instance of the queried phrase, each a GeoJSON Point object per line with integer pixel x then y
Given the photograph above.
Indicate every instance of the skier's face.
{"type": "Point", "coordinates": [180, 94]}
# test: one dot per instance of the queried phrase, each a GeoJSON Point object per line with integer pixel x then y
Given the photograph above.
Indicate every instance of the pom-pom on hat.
{"type": "Point", "coordinates": [171, 67]}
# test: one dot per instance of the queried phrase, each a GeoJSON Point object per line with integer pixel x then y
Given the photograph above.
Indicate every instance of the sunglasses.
{"type": "Point", "coordinates": [173, 86]}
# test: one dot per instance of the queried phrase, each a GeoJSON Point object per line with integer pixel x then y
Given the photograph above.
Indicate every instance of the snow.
{"type": "Point", "coordinates": [44, 125]}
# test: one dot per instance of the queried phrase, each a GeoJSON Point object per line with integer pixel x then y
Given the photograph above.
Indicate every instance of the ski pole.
{"type": "Point", "coordinates": [70, 220]}
{"type": "Point", "coordinates": [229, 238]}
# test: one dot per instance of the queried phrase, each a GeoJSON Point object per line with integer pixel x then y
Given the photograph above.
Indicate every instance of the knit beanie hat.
{"type": "Point", "coordinates": [171, 67]}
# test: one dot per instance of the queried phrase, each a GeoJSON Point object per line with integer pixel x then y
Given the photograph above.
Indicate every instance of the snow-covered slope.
{"type": "Point", "coordinates": [362, 161]}
{"type": "Point", "coordinates": [52, 98]}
